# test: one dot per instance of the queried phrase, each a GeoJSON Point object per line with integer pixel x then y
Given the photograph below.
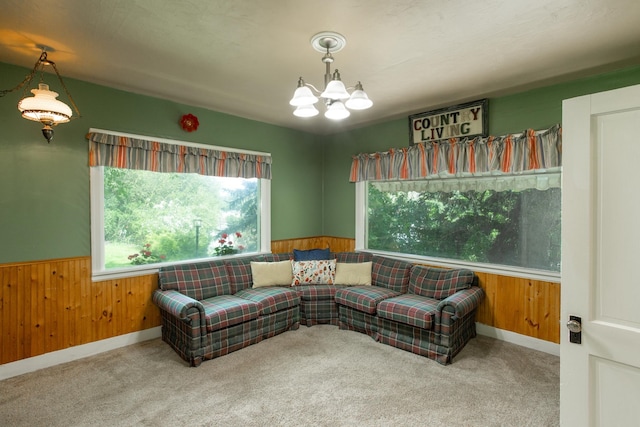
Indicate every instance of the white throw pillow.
{"type": "Point", "coordinates": [358, 273]}
{"type": "Point", "coordinates": [271, 273]}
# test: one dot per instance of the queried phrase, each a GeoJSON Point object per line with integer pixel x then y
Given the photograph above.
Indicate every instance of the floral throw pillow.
{"type": "Point", "coordinates": [316, 272]}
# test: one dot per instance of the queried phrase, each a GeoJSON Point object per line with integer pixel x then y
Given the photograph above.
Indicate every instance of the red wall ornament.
{"type": "Point", "coordinates": [189, 123]}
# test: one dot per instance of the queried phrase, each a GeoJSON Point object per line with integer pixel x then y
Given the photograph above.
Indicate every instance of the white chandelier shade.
{"type": "Point", "coordinates": [359, 99]}
{"type": "Point", "coordinates": [335, 95]}
{"type": "Point", "coordinates": [308, 110]}
{"type": "Point", "coordinates": [337, 111]}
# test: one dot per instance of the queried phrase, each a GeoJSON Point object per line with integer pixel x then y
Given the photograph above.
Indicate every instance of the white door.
{"type": "Point", "coordinates": [600, 378]}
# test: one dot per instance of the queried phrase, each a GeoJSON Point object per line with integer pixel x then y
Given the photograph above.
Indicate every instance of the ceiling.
{"type": "Point", "coordinates": [244, 57]}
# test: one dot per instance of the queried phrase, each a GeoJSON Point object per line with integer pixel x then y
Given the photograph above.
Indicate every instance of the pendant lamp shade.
{"type": "Point", "coordinates": [303, 95]}
{"type": "Point", "coordinates": [308, 110]}
{"type": "Point", "coordinates": [44, 107]}
{"type": "Point", "coordinates": [337, 111]}
{"type": "Point", "coordinates": [335, 89]}
{"type": "Point", "coordinates": [359, 99]}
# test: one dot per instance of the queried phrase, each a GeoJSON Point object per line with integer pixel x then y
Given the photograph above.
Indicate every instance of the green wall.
{"type": "Point", "coordinates": [44, 188]}
{"type": "Point", "coordinates": [534, 109]}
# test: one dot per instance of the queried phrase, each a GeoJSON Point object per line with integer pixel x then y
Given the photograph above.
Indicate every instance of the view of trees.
{"type": "Point", "coordinates": [168, 217]}
{"type": "Point", "coordinates": [508, 227]}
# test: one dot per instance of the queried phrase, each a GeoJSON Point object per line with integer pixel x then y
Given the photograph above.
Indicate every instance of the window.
{"type": "Point", "coordinates": [490, 203]}
{"type": "Point", "coordinates": [142, 219]}
{"type": "Point", "coordinates": [479, 220]}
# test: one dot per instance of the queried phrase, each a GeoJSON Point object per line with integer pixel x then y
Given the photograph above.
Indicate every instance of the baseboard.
{"type": "Point", "coordinates": [523, 340]}
{"type": "Point", "coordinates": [46, 360]}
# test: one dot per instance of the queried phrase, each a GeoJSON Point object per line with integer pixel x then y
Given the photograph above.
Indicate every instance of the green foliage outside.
{"type": "Point", "coordinates": [173, 217]}
{"type": "Point", "coordinates": [508, 228]}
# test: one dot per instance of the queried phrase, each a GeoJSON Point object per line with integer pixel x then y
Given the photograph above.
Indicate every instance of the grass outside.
{"type": "Point", "coordinates": [116, 254]}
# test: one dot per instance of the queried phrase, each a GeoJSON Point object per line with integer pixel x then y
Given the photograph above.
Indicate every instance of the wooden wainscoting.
{"type": "Point", "coordinates": [336, 244]}
{"type": "Point", "coordinates": [52, 305]}
{"type": "Point", "coordinates": [525, 306]}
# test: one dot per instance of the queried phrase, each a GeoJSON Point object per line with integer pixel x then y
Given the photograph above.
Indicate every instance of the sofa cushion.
{"type": "Point", "coordinates": [199, 280]}
{"type": "Point", "coordinates": [277, 273]}
{"type": "Point", "coordinates": [239, 271]}
{"type": "Point", "coordinates": [353, 273]}
{"type": "Point", "coordinates": [284, 256]}
{"type": "Point", "coordinates": [318, 272]}
{"type": "Point", "coordinates": [439, 283]}
{"type": "Point", "coordinates": [317, 292]}
{"type": "Point", "coordinates": [410, 309]}
{"type": "Point", "coordinates": [271, 299]}
{"type": "Point", "coordinates": [390, 273]}
{"type": "Point", "coordinates": [227, 310]}
{"type": "Point", "coordinates": [352, 256]}
{"type": "Point", "coordinates": [311, 254]}
{"type": "Point", "coordinates": [363, 298]}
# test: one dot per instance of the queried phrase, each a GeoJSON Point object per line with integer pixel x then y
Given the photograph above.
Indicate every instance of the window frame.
{"type": "Point", "coordinates": [498, 269]}
{"type": "Point", "coordinates": [96, 174]}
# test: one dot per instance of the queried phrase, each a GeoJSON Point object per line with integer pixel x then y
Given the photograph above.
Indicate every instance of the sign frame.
{"type": "Point", "coordinates": [428, 127]}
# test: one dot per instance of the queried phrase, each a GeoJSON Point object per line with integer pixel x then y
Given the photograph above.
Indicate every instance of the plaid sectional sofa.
{"type": "Point", "coordinates": [428, 311]}
{"type": "Point", "coordinates": [209, 309]}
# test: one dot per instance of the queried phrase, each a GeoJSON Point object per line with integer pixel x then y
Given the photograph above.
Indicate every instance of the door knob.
{"type": "Point", "coordinates": [575, 329]}
{"type": "Point", "coordinates": [574, 326]}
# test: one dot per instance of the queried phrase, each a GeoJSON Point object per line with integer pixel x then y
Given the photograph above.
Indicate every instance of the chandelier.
{"type": "Point", "coordinates": [43, 106]}
{"type": "Point", "coordinates": [335, 93]}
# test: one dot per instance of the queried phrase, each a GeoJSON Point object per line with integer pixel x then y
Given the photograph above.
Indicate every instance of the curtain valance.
{"type": "Point", "coordinates": [129, 152]}
{"type": "Point", "coordinates": [509, 154]}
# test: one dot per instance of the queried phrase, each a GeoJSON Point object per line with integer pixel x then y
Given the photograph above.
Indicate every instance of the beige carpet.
{"type": "Point", "coordinates": [318, 376]}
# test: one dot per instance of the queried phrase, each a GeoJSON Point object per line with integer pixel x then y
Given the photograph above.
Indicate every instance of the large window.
{"type": "Point", "coordinates": [142, 219]}
{"type": "Point", "coordinates": [477, 220]}
{"type": "Point", "coordinates": [490, 203]}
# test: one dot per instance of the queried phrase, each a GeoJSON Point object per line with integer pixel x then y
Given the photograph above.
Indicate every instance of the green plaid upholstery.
{"type": "Point", "coordinates": [464, 302]}
{"type": "Point", "coordinates": [279, 322]}
{"type": "Point", "coordinates": [363, 298]}
{"type": "Point", "coordinates": [317, 304]}
{"type": "Point", "coordinates": [274, 257]}
{"type": "Point", "coordinates": [351, 257]}
{"type": "Point", "coordinates": [390, 273]}
{"type": "Point", "coordinates": [224, 341]}
{"type": "Point", "coordinates": [354, 320]}
{"type": "Point", "coordinates": [416, 340]}
{"type": "Point", "coordinates": [271, 299]}
{"type": "Point", "coordinates": [413, 310]}
{"type": "Point", "coordinates": [227, 310]}
{"type": "Point", "coordinates": [439, 283]}
{"type": "Point", "coordinates": [239, 271]}
{"type": "Point", "coordinates": [175, 303]}
{"type": "Point", "coordinates": [198, 280]}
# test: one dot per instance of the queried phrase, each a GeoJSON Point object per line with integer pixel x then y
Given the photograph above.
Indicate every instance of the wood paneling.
{"type": "Point", "coordinates": [52, 305]}
{"type": "Point", "coordinates": [336, 244]}
{"type": "Point", "coordinates": [525, 306]}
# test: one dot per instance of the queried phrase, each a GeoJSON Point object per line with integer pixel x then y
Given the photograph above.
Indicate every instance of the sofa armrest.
{"type": "Point", "coordinates": [176, 304]}
{"type": "Point", "coordinates": [463, 302]}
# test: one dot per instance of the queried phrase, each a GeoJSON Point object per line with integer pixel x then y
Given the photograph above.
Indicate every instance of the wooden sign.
{"type": "Point", "coordinates": [459, 121]}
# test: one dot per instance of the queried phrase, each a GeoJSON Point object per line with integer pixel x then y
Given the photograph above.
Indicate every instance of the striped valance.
{"type": "Point", "coordinates": [509, 154]}
{"type": "Point", "coordinates": [131, 152]}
